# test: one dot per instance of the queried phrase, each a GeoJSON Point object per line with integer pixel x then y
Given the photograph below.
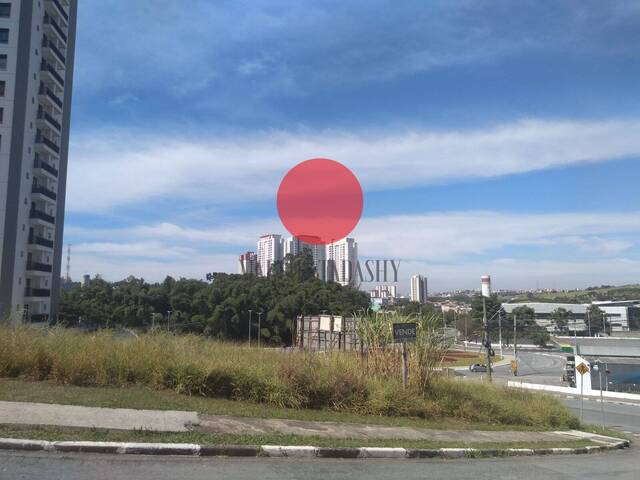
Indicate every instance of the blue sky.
{"type": "Point", "coordinates": [490, 137]}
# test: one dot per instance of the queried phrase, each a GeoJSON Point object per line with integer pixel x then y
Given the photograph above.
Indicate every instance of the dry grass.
{"type": "Point", "coordinates": [194, 365]}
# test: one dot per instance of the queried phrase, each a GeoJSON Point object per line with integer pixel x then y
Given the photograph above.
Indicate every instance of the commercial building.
{"type": "Point", "coordinates": [37, 41]}
{"type": "Point", "coordinates": [419, 289]}
{"type": "Point", "coordinates": [248, 263]}
{"type": "Point", "coordinates": [270, 250]}
{"type": "Point", "coordinates": [342, 260]}
{"type": "Point", "coordinates": [619, 316]}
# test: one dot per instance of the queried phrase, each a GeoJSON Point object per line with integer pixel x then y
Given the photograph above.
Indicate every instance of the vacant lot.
{"type": "Point", "coordinates": [195, 366]}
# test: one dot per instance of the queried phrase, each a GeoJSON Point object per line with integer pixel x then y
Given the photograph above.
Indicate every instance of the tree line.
{"type": "Point", "coordinates": [218, 309]}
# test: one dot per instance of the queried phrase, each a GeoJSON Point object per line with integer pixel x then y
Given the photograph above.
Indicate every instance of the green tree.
{"type": "Point", "coordinates": [561, 317]}
{"type": "Point", "coordinates": [596, 319]}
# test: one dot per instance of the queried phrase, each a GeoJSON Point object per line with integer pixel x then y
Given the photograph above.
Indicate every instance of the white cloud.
{"type": "Point", "coordinates": [124, 168]}
{"type": "Point", "coordinates": [453, 249]}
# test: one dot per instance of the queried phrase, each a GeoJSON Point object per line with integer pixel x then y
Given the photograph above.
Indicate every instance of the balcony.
{"type": "Point", "coordinates": [37, 292]}
{"type": "Point", "coordinates": [43, 242]}
{"type": "Point", "coordinates": [46, 67]}
{"type": "Point", "coordinates": [40, 215]}
{"type": "Point", "coordinates": [42, 140]}
{"type": "Point", "coordinates": [59, 8]}
{"type": "Point", "coordinates": [39, 267]}
{"type": "Point", "coordinates": [46, 91]}
{"type": "Point", "coordinates": [48, 21]}
{"type": "Point", "coordinates": [46, 43]}
{"type": "Point", "coordinates": [37, 163]}
{"type": "Point", "coordinates": [42, 115]}
{"type": "Point", "coordinates": [44, 191]}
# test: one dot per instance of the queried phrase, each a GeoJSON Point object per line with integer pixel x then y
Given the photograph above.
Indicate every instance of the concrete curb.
{"type": "Point", "coordinates": [284, 451]}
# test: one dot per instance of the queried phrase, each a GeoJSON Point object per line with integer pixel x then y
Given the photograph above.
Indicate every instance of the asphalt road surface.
{"type": "Point", "coordinates": [50, 466]}
{"type": "Point", "coordinates": [621, 416]}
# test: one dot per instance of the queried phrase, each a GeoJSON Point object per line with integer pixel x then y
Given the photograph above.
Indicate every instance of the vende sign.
{"type": "Point", "coordinates": [404, 332]}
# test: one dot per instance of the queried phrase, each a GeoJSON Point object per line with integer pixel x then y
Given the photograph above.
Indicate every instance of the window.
{"type": "Point", "coordinates": [5, 10]}
{"type": "Point", "coordinates": [3, 84]}
{"type": "Point", "coordinates": [1, 115]}
{"type": "Point", "coordinates": [3, 62]}
{"type": "Point", "coordinates": [4, 35]}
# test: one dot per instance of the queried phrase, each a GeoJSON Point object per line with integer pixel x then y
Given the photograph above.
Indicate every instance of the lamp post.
{"type": "Point", "coordinates": [515, 343]}
{"type": "Point", "coordinates": [598, 367]}
{"type": "Point", "coordinates": [486, 336]}
{"type": "Point", "coordinates": [259, 333]}
{"type": "Point", "coordinates": [500, 330]}
{"type": "Point", "coordinates": [168, 320]}
{"type": "Point", "coordinates": [250, 327]}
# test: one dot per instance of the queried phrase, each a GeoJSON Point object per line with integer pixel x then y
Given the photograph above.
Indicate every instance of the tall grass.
{"type": "Point", "coordinates": [194, 365]}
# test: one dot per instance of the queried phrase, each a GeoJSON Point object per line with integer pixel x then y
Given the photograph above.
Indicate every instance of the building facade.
{"type": "Point", "coordinates": [294, 246]}
{"type": "Point", "coordinates": [617, 316]}
{"type": "Point", "coordinates": [342, 260]}
{"type": "Point", "coordinates": [37, 42]}
{"type": "Point", "coordinates": [270, 250]}
{"type": "Point", "coordinates": [419, 289]}
{"type": "Point", "coordinates": [248, 263]}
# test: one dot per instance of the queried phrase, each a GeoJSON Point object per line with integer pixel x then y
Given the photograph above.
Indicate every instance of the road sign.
{"type": "Point", "coordinates": [582, 368]}
{"type": "Point", "coordinates": [404, 332]}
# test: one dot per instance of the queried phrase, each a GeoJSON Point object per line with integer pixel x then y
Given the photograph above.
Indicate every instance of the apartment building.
{"type": "Point", "coordinates": [37, 41]}
{"type": "Point", "coordinates": [295, 246]}
{"type": "Point", "coordinates": [341, 261]}
{"type": "Point", "coordinates": [418, 289]}
{"type": "Point", "coordinates": [270, 250]}
{"type": "Point", "coordinates": [248, 263]}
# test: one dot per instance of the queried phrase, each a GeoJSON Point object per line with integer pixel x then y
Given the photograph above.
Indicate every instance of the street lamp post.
{"type": "Point", "coordinates": [259, 332]}
{"type": "Point", "coordinates": [486, 337]}
{"type": "Point", "coordinates": [500, 330]}
{"type": "Point", "coordinates": [250, 327]}
{"type": "Point", "coordinates": [515, 342]}
{"type": "Point", "coordinates": [598, 367]}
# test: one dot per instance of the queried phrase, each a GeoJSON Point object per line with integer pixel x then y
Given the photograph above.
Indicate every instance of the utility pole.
{"type": "Point", "coordinates": [500, 330]}
{"type": "Point", "coordinates": [589, 321]}
{"type": "Point", "coordinates": [259, 335]}
{"type": "Point", "coordinates": [515, 343]}
{"type": "Point", "coordinates": [487, 343]}
{"type": "Point", "coordinates": [250, 327]}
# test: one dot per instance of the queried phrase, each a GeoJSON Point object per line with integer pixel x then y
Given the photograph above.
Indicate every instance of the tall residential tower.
{"type": "Point", "coordinates": [419, 289]}
{"type": "Point", "coordinates": [37, 41]}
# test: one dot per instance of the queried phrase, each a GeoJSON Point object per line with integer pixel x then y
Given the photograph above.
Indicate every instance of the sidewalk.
{"type": "Point", "coordinates": [18, 413]}
{"type": "Point", "coordinates": [24, 413]}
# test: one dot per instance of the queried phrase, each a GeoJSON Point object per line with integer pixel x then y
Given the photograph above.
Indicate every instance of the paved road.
{"type": "Point", "coordinates": [533, 367]}
{"type": "Point", "coordinates": [547, 368]}
{"type": "Point", "coordinates": [47, 466]}
{"type": "Point", "coordinates": [624, 417]}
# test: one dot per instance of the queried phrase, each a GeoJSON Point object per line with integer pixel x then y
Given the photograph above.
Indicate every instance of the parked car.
{"type": "Point", "coordinates": [478, 368]}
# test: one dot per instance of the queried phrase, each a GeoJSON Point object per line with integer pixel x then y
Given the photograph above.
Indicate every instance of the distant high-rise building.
{"type": "Point", "coordinates": [248, 263]}
{"type": "Point", "coordinates": [270, 250]}
{"type": "Point", "coordinates": [295, 246]}
{"type": "Point", "coordinates": [384, 291]}
{"type": "Point", "coordinates": [418, 289]}
{"type": "Point", "coordinates": [341, 261]}
{"type": "Point", "coordinates": [37, 43]}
